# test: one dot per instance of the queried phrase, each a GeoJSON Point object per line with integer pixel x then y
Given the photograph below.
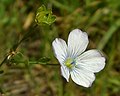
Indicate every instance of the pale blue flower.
{"type": "Point", "coordinates": [76, 63]}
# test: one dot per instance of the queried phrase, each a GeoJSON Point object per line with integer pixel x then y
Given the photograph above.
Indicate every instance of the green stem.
{"type": "Point", "coordinates": [26, 36]}
{"type": "Point", "coordinates": [3, 61]}
{"type": "Point", "coordinates": [41, 63]}
{"type": "Point", "coordinates": [35, 62]}
{"type": "Point", "coordinates": [15, 46]}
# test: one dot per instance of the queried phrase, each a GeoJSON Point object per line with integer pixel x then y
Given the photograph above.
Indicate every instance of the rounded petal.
{"type": "Point", "coordinates": [77, 42]}
{"type": "Point", "coordinates": [91, 60]}
{"type": "Point", "coordinates": [82, 77]}
{"type": "Point", "coordinates": [65, 72]}
{"type": "Point", "coordinates": [60, 49]}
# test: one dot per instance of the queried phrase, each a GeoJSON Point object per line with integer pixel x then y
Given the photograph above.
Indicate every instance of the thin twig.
{"type": "Point", "coordinates": [15, 46]}
{"type": "Point", "coordinates": [3, 61]}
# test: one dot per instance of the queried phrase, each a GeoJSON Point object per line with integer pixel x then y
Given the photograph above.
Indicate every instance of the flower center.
{"type": "Point", "coordinates": [70, 62]}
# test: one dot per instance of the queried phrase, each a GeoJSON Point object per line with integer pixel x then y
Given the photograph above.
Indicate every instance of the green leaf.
{"type": "Point", "coordinates": [40, 9]}
{"type": "Point", "coordinates": [44, 16]}
{"type": "Point", "coordinates": [44, 60]}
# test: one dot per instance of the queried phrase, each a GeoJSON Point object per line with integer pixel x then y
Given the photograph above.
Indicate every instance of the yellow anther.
{"type": "Point", "coordinates": [69, 63]}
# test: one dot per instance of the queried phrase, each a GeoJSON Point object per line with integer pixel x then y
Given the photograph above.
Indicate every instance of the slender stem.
{"type": "Point", "coordinates": [36, 62]}
{"type": "Point", "coordinates": [26, 36]}
{"type": "Point", "coordinates": [15, 46]}
{"type": "Point", "coordinates": [3, 61]}
{"type": "Point", "coordinates": [41, 63]}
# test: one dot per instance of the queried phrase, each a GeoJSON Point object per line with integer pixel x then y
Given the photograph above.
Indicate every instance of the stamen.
{"type": "Point", "coordinates": [70, 62]}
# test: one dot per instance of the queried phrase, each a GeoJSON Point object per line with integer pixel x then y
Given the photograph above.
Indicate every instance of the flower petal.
{"type": "Point", "coordinates": [65, 72]}
{"type": "Point", "coordinates": [60, 49]}
{"type": "Point", "coordinates": [77, 42]}
{"type": "Point", "coordinates": [82, 77]}
{"type": "Point", "coordinates": [91, 60]}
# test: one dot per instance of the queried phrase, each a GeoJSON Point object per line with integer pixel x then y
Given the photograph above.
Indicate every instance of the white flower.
{"type": "Point", "coordinates": [76, 63]}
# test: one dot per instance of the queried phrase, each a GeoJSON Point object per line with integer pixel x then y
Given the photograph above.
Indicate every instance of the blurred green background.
{"type": "Point", "coordinates": [99, 18]}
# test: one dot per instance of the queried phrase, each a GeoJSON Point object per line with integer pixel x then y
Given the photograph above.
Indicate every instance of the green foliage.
{"type": "Point", "coordinates": [44, 60]}
{"type": "Point", "coordinates": [44, 16]}
{"type": "Point", "coordinates": [20, 58]}
{"type": "Point", "coordinates": [99, 18]}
